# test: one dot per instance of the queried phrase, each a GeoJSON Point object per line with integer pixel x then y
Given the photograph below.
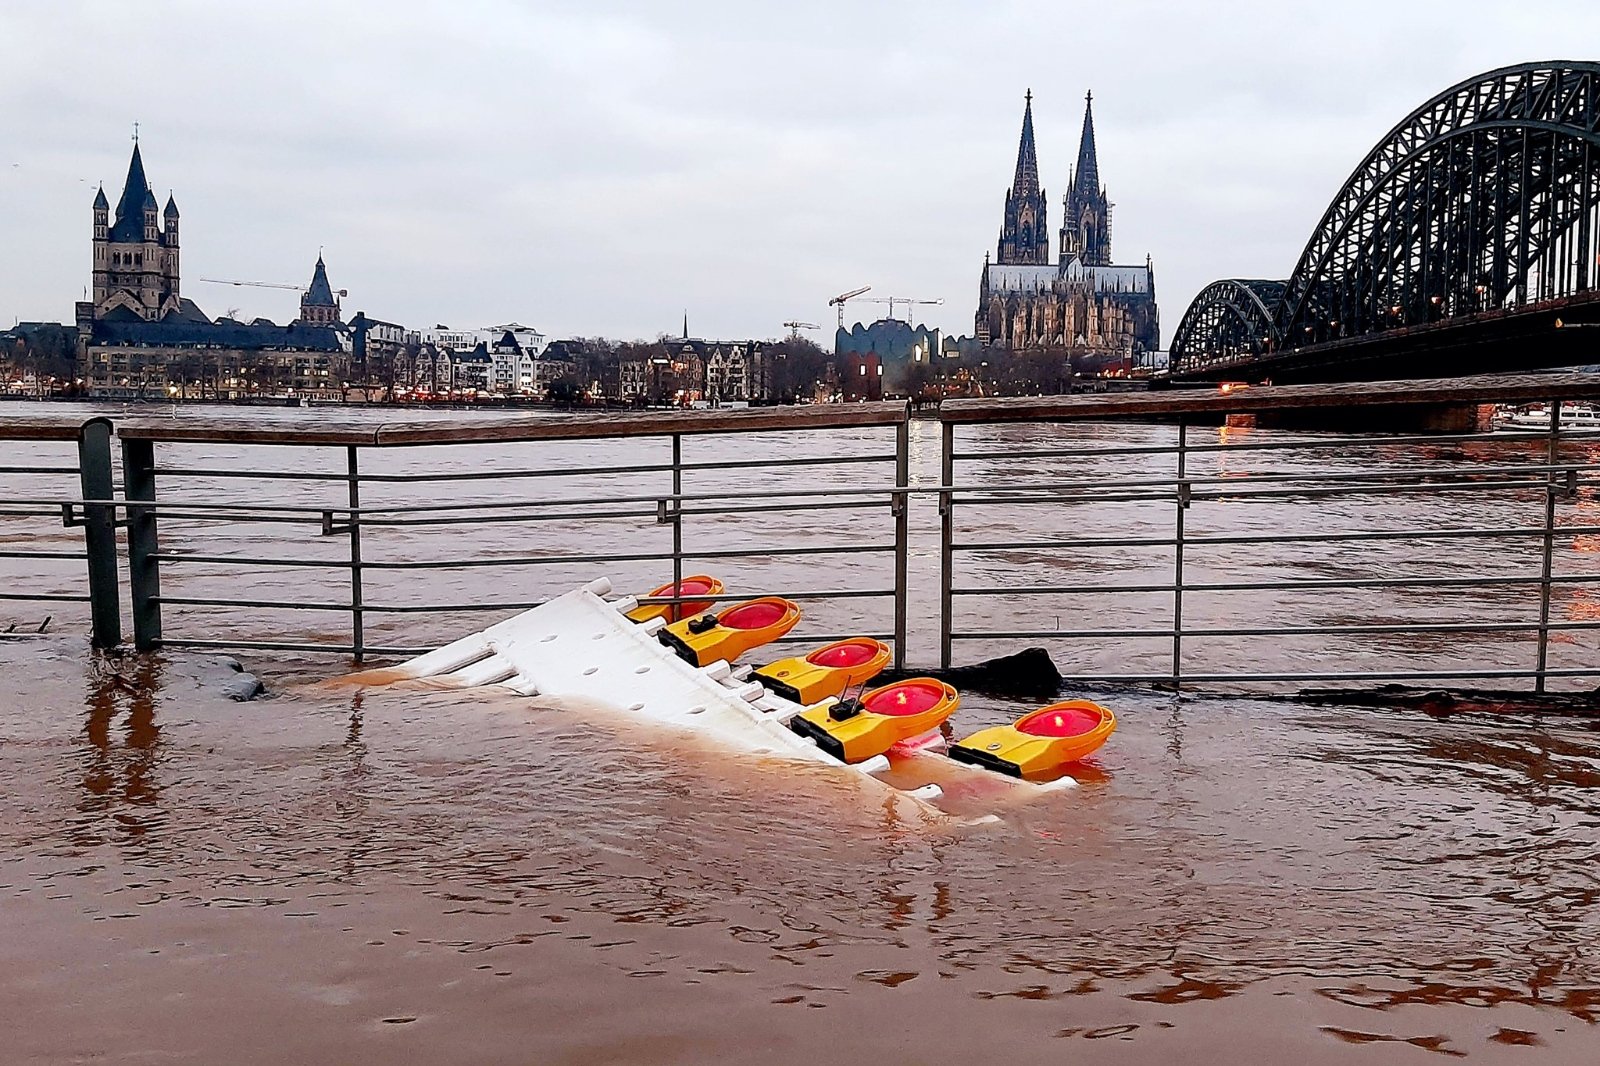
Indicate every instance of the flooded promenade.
{"type": "Point", "coordinates": [329, 877]}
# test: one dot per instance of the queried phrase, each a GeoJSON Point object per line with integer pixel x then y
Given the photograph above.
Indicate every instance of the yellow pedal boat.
{"type": "Point", "coordinates": [831, 670]}
{"type": "Point", "coordinates": [856, 730]}
{"type": "Point", "coordinates": [729, 633]}
{"type": "Point", "coordinates": [698, 585]}
{"type": "Point", "coordinates": [1041, 742]}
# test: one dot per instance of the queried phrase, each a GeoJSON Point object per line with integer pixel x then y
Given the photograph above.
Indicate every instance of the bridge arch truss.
{"type": "Point", "coordinates": [1486, 197]}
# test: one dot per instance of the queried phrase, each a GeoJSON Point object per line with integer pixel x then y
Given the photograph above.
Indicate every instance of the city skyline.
{"type": "Point", "coordinates": [595, 172]}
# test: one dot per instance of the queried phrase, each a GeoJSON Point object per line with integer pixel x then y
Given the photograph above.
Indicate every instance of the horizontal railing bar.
{"type": "Point", "coordinates": [246, 560]}
{"type": "Point", "coordinates": [1093, 484]}
{"type": "Point", "coordinates": [12, 554]}
{"type": "Point", "coordinates": [1271, 538]}
{"type": "Point", "coordinates": [734, 597]}
{"type": "Point", "coordinates": [1279, 631]}
{"type": "Point", "coordinates": [475, 520]}
{"type": "Point", "coordinates": [42, 469]}
{"type": "Point", "coordinates": [42, 512]}
{"type": "Point", "coordinates": [1367, 489]}
{"type": "Point", "coordinates": [1377, 489]}
{"type": "Point", "coordinates": [494, 475]}
{"type": "Point", "coordinates": [159, 507]}
{"type": "Point", "coordinates": [829, 638]}
{"type": "Point", "coordinates": [254, 475]}
{"type": "Point", "coordinates": [556, 560]}
{"type": "Point", "coordinates": [51, 597]}
{"type": "Point", "coordinates": [285, 645]}
{"type": "Point", "coordinates": [375, 650]}
{"type": "Point", "coordinates": [272, 605]}
{"type": "Point", "coordinates": [445, 608]}
{"type": "Point", "coordinates": [1274, 586]}
{"type": "Point", "coordinates": [1381, 675]}
{"type": "Point", "coordinates": [244, 516]}
{"type": "Point", "coordinates": [1147, 495]}
{"type": "Point", "coordinates": [779, 508]}
{"type": "Point", "coordinates": [651, 514]}
{"type": "Point", "coordinates": [1307, 443]}
{"type": "Point", "coordinates": [805, 460]}
{"type": "Point", "coordinates": [471, 429]}
{"type": "Point", "coordinates": [490, 475]}
{"type": "Point", "coordinates": [762, 553]}
{"type": "Point", "coordinates": [589, 501]}
{"type": "Point", "coordinates": [470, 475]}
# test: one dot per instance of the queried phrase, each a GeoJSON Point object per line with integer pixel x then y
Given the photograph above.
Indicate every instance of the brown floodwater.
{"type": "Point", "coordinates": [337, 876]}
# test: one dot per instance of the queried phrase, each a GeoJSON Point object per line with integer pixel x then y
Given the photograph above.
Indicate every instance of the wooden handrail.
{"type": "Point", "coordinates": [1490, 388]}
{"type": "Point", "coordinates": [476, 429]}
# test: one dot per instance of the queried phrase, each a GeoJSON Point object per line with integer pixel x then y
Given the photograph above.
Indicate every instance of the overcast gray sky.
{"type": "Point", "coordinates": [595, 168]}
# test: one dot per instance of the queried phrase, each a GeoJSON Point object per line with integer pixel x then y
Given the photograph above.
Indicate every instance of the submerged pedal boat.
{"type": "Point", "coordinates": [698, 585]}
{"type": "Point", "coordinates": [855, 730]}
{"type": "Point", "coordinates": [1041, 742]}
{"type": "Point", "coordinates": [831, 670]}
{"type": "Point", "coordinates": [728, 634]}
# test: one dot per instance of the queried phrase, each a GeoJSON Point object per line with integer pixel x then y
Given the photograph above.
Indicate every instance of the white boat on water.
{"type": "Point", "coordinates": [1537, 417]}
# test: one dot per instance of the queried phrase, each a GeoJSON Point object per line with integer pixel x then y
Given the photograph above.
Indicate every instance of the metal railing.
{"type": "Point", "coordinates": [667, 507]}
{"type": "Point", "coordinates": [1157, 503]}
{"type": "Point", "coordinates": [90, 466]}
{"type": "Point", "coordinates": [1189, 545]}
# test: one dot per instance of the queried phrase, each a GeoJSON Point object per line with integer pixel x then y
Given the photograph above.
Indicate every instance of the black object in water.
{"type": "Point", "coordinates": [1029, 673]}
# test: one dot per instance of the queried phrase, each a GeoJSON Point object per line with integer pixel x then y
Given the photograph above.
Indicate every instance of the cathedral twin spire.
{"type": "Point", "coordinates": [1025, 233]}
{"type": "Point", "coordinates": [1086, 229]}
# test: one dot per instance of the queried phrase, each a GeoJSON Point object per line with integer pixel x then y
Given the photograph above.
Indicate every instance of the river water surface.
{"type": "Point", "coordinates": [327, 876]}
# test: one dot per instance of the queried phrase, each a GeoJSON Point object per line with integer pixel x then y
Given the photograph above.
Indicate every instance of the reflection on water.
{"type": "Point", "coordinates": [123, 739]}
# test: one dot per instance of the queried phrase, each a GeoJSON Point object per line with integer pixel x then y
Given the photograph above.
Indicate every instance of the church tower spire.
{"type": "Point", "coordinates": [135, 261]}
{"type": "Point", "coordinates": [1025, 233]}
{"type": "Point", "coordinates": [318, 304]}
{"type": "Point", "coordinates": [1086, 225]}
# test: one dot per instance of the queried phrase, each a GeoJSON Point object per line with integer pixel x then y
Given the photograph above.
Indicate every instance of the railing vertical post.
{"type": "Point", "coordinates": [676, 610]}
{"type": "Point", "coordinates": [947, 466]}
{"type": "Point", "coordinates": [1182, 485]}
{"type": "Point", "coordinates": [357, 619]}
{"type": "Point", "coordinates": [100, 532]}
{"type": "Point", "coordinates": [144, 569]}
{"type": "Point", "coordinates": [1552, 452]}
{"type": "Point", "coordinates": [900, 505]}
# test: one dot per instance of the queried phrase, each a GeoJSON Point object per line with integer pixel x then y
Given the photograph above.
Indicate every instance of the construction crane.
{"type": "Point", "coordinates": [794, 328]}
{"type": "Point", "coordinates": [839, 300]}
{"type": "Point", "coordinates": [268, 285]}
{"type": "Point", "coordinates": [907, 300]}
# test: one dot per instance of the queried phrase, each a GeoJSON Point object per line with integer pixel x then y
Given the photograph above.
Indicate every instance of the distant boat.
{"type": "Point", "coordinates": [1537, 416]}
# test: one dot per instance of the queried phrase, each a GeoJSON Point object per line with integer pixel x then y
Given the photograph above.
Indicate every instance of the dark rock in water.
{"type": "Point", "coordinates": [243, 686]}
{"type": "Point", "coordinates": [1029, 673]}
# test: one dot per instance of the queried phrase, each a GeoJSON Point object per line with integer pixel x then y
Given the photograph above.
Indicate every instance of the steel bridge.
{"type": "Point", "coordinates": [1464, 243]}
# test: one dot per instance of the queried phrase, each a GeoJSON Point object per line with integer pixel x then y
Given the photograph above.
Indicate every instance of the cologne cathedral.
{"type": "Point", "coordinates": [1082, 303]}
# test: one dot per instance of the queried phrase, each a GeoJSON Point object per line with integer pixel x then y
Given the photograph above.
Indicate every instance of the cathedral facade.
{"type": "Point", "coordinates": [1082, 303]}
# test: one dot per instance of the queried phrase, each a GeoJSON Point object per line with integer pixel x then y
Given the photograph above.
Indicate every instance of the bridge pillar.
{"type": "Point", "coordinates": [1399, 418]}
